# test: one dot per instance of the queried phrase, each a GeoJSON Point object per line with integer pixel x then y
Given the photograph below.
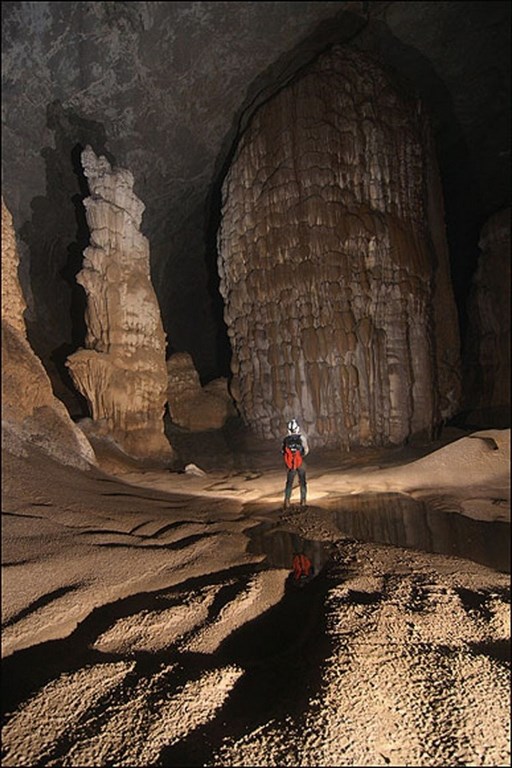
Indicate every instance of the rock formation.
{"type": "Point", "coordinates": [192, 406]}
{"type": "Point", "coordinates": [31, 414]}
{"type": "Point", "coordinates": [487, 348]}
{"type": "Point", "coordinates": [333, 263]}
{"type": "Point", "coordinates": [13, 301]}
{"type": "Point", "coordinates": [121, 371]}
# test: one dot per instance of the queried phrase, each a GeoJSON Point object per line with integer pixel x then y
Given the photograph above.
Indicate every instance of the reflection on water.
{"type": "Point", "coordinates": [399, 520]}
{"type": "Point", "coordinates": [280, 546]}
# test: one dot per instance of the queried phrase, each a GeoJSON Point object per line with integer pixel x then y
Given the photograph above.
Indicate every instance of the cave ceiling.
{"type": "Point", "coordinates": [165, 88]}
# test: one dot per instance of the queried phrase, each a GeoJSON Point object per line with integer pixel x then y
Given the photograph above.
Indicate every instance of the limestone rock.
{"type": "Point", "coordinates": [487, 348]}
{"type": "Point", "coordinates": [31, 414]}
{"type": "Point", "coordinates": [122, 370]}
{"type": "Point", "coordinates": [13, 301]}
{"type": "Point", "coordinates": [193, 469]}
{"type": "Point", "coordinates": [192, 406]}
{"type": "Point", "coordinates": [333, 263]}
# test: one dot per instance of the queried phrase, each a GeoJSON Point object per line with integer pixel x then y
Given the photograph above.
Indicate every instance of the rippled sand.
{"type": "Point", "coordinates": [139, 630]}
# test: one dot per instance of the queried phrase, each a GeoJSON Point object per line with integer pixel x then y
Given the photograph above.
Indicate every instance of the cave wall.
{"type": "Point", "coordinates": [487, 345]}
{"type": "Point", "coordinates": [52, 242]}
{"type": "Point", "coordinates": [333, 263]}
{"type": "Point", "coordinates": [31, 415]}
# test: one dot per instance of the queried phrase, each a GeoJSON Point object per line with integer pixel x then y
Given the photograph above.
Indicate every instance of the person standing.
{"type": "Point", "coordinates": [294, 448]}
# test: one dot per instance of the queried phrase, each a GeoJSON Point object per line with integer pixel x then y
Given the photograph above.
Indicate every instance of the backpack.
{"type": "Point", "coordinates": [292, 451]}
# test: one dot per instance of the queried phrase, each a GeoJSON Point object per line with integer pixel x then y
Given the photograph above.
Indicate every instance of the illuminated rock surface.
{"type": "Point", "coordinates": [138, 629]}
{"type": "Point", "coordinates": [191, 405]}
{"type": "Point", "coordinates": [31, 414]}
{"type": "Point", "coordinates": [333, 263]}
{"type": "Point", "coordinates": [122, 370]}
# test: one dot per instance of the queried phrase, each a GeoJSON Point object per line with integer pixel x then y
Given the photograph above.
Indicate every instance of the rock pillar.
{"type": "Point", "coordinates": [333, 263]}
{"type": "Point", "coordinates": [122, 370]}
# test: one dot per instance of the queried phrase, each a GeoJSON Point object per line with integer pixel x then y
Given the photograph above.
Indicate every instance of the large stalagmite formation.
{"type": "Point", "coordinates": [122, 370]}
{"type": "Point", "coordinates": [31, 414]}
{"type": "Point", "coordinates": [333, 262]}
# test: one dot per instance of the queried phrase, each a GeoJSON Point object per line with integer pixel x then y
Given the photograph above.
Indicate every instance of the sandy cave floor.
{"type": "Point", "coordinates": [145, 621]}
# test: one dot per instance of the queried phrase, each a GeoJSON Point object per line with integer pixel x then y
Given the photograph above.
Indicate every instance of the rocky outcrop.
{"type": "Point", "coordinates": [333, 263]}
{"type": "Point", "coordinates": [192, 406]}
{"type": "Point", "coordinates": [13, 301]}
{"type": "Point", "coordinates": [487, 344]}
{"type": "Point", "coordinates": [121, 372]}
{"type": "Point", "coordinates": [31, 414]}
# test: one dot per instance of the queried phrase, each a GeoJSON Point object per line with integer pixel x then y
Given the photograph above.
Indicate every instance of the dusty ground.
{"type": "Point", "coordinates": [139, 628]}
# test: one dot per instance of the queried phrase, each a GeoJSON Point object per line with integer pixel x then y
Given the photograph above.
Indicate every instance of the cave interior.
{"type": "Point", "coordinates": [171, 91]}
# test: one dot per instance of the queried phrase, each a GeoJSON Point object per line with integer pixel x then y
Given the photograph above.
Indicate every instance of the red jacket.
{"type": "Point", "coordinates": [302, 566]}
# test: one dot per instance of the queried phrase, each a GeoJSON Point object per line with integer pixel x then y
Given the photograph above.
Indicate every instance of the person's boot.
{"type": "Point", "coordinates": [286, 504]}
{"type": "Point", "coordinates": [303, 503]}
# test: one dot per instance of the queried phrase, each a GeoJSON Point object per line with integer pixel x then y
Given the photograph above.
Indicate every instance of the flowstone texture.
{"type": "Point", "coordinates": [333, 263]}
{"type": "Point", "coordinates": [122, 370]}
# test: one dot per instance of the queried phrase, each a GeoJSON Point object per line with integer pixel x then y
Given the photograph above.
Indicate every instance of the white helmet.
{"type": "Point", "coordinates": [293, 427]}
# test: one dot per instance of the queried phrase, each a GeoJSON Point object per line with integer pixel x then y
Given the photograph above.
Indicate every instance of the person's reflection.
{"type": "Point", "coordinates": [303, 569]}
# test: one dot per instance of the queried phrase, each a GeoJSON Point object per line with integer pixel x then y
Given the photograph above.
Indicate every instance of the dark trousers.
{"type": "Point", "coordinates": [290, 477]}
